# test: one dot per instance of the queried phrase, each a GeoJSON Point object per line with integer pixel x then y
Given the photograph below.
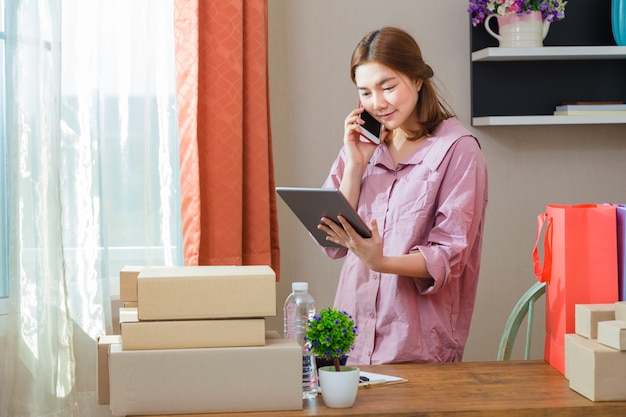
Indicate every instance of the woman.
{"type": "Point", "coordinates": [411, 287]}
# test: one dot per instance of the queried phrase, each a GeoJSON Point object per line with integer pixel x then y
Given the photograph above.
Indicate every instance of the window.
{"type": "Point", "coordinates": [130, 139]}
{"type": "Point", "coordinates": [4, 255]}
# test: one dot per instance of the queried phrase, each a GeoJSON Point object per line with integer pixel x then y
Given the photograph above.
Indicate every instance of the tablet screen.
{"type": "Point", "coordinates": [311, 204]}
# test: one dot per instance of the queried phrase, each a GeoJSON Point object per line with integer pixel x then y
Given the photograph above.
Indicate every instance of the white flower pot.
{"type": "Point", "coordinates": [527, 30]}
{"type": "Point", "coordinates": [339, 389]}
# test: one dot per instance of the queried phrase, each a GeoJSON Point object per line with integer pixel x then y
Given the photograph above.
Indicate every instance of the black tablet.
{"type": "Point", "coordinates": [311, 204]}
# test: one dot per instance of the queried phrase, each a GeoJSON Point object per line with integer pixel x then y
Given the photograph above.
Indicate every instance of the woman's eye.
{"type": "Point", "coordinates": [389, 88]}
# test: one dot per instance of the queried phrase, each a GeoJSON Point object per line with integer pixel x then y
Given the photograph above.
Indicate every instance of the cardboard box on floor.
{"type": "Point", "coordinates": [187, 381]}
{"type": "Point", "coordinates": [206, 292]}
{"type": "Point", "coordinates": [183, 334]}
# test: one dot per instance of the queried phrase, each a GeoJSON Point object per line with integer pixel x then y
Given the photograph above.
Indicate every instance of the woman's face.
{"type": "Point", "coordinates": [388, 95]}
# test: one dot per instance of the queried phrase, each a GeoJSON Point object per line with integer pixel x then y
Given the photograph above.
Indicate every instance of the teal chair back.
{"type": "Point", "coordinates": [525, 307]}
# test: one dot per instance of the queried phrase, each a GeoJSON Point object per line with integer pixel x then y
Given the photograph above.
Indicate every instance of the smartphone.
{"type": "Point", "coordinates": [372, 128]}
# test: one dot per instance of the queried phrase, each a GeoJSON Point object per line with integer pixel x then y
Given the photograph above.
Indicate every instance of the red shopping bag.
{"type": "Point", "coordinates": [579, 266]}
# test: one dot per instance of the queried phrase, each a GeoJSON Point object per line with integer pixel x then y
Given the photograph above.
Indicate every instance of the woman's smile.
{"type": "Point", "coordinates": [387, 115]}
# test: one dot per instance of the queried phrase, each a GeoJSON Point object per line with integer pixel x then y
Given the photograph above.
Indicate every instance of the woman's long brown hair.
{"type": "Point", "coordinates": [396, 49]}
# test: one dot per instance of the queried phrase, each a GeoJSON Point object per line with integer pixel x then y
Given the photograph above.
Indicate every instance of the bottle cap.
{"type": "Point", "coordinates": [299, 286]}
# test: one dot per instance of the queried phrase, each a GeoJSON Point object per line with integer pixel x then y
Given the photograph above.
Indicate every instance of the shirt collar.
{"type": "Point", "coordinates": [432, 151]}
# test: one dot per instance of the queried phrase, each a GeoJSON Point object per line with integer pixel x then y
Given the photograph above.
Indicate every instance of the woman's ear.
{"type": "Point", "coordinates": [418, 84]}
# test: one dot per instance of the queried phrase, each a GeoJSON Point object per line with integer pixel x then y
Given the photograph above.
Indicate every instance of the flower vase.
{"type": "Point", "coordinates": [618, 21]}
{"type": "Point", "coordinates": [339, 389]}
{"type": "Point", "coordinates": [527, 30]}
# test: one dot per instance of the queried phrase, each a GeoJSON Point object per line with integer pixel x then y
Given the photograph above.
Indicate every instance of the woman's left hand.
{"type": "Point", "coordinates": [369, 250]}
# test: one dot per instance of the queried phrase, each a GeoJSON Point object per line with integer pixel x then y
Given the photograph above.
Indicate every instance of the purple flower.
{"type": "Point", "coordinates": [551, 10]}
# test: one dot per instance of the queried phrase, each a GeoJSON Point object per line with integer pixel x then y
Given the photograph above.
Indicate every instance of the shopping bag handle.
{"type": "Point", "coordinates": [543, 272]}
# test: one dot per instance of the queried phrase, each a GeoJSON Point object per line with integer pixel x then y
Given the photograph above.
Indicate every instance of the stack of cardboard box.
{"type": "Point", "coordinates": [595, 356]}
{"type": "Point", "coordinates": [196, 343]}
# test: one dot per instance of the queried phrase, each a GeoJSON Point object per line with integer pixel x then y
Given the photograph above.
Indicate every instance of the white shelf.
{"type": "Point", "coordinates": [547, 120]}
{"type": "Point", "coordinates": [550, 53]}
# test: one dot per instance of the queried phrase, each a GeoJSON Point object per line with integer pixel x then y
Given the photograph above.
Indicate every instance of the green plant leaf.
{"type": "Point", "coordinates": [331, 334]}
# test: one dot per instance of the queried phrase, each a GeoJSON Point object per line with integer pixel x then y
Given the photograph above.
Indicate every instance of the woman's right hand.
{"type": "Point", "coordinates": [359, 151]}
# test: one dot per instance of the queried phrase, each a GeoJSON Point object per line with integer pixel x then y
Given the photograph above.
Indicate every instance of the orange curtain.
{"type": "Point", "coordinates": [228, 201]}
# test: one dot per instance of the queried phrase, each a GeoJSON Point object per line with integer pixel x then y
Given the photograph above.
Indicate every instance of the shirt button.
{"type": "Point", "coordinates": [372, 315]}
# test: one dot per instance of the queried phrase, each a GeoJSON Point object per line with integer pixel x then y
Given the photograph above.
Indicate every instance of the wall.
{"type": "Point", "coordinates": [311, 93]}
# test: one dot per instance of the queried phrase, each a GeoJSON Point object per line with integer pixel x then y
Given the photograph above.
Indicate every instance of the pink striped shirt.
{"type": "Point", "coordinates": [433, 202]}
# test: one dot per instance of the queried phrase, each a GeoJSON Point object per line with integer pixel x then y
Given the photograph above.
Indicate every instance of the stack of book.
{"type": "Point", "coordinates": [591, 109]}
{"type": "Point", "coordinates": [196, 343]}
{"type": "Point", "coordinates": [595, 356]}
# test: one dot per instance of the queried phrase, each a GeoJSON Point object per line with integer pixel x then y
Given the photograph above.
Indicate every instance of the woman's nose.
{"type": "Point", "coordinates": [379, 101]}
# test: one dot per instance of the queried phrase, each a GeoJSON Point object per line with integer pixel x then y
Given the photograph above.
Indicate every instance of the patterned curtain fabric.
{"type": "Point", "coordinates": [227, 174]}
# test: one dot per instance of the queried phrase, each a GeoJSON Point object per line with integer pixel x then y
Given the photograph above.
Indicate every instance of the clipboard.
{"type": "Point", "coordinates": [311, 204]}
{"type": "Point", "coordinates": [369, 379]}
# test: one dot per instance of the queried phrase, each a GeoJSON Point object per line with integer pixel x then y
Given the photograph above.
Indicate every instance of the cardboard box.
{"type": "Point", "coordinates": [613, 334]}
{"type": "Point", "coordinates": [102, 367]}
{"type": "Point", "coordinates": [206, 292]}
{"type": "Point", "coordinates": [128, 283]}
{"type": "Point", "coordinates": [182, 334]}
{"type": "Point", "coordinates": [594, 370]}
{"type": "Point", "coordinates": [589, 315]}
{"type": "Point", "coordinates": [620, 310]}
{"type": "Point", "coordinates": [272, 334]}
{"type": "Point", "coordinates": [116, 304]}
{"type": "Point", "coordinates": [188, 381]}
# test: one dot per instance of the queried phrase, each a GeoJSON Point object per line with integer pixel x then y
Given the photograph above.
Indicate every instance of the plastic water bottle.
{"type": "Point", "coordinates": [299, 308]}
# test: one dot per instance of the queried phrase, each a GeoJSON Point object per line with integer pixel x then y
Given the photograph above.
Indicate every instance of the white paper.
{"type": "Point", "coordinates": [375, 379]}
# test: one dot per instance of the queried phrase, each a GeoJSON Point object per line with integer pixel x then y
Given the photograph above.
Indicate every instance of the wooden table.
{"type": "Point", "coordinates": [467, 389]}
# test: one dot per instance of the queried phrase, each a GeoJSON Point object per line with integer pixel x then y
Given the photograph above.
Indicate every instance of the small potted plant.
{"type": "Point", "coordinates": [521, 23]}
{"type": "Point", "coordinates": [551, 10]}
{"type": "Point", "coordinates": [331, 335]}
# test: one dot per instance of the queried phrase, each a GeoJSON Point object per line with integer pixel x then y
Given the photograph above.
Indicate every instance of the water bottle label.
{"type": "Point", "coordinates": [306, 364]}
{"type": "Point", "coordinates": [309, 380]}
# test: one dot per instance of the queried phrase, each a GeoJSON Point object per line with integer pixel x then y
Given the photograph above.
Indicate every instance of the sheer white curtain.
{"type": "Point", "coordinates": [92, 147]}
